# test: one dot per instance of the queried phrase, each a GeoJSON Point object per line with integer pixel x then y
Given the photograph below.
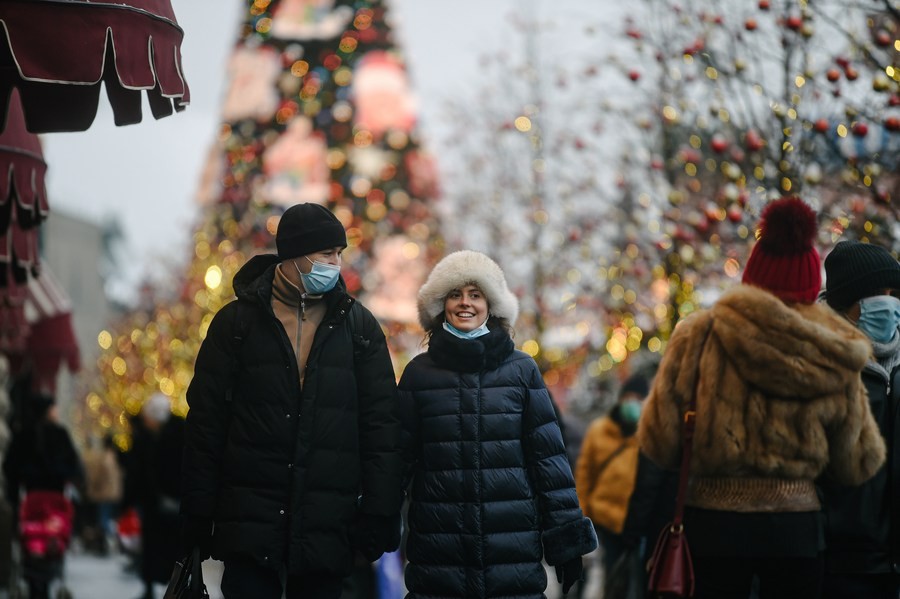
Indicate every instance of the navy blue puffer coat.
{"type": "Point", "coordinates": [492, 489]}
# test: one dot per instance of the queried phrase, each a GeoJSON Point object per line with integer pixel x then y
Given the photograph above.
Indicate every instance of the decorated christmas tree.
{"type": "Point", "coordinates": [318, 109]}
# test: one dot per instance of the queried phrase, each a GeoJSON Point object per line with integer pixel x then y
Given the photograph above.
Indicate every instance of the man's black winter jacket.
{"type": "Point", "coordinates": [862, 530]}
{"type": "Point", "coordinates": [280, 469]}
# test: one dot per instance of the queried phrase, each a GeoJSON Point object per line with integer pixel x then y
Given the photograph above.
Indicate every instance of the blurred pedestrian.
{"type": "Point", "coordinates": [103, 488]}
{"type": "Point", "coordinates": [779, 402]}
{"type": "Point", "coordinates": [42, 462]}
{"type": "Point", "coordinates": [292, 457]}
{"type": "Point", "coordinates": [153, 487]}
{"type": "Point", "coordinates": [862, 530]}
{"type": "Point", "coordinates": [607, 466]}
{"type": "Point", "coordinates": [492, 491]}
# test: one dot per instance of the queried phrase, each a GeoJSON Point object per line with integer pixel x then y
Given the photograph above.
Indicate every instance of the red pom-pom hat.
{"type": "Point", "coordinates": [784, 260]}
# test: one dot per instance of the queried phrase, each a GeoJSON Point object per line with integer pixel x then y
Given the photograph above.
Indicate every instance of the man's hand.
{"type": "Point", "coordinates": [374, 535]}
{"type": "Point", "coordinates": [197, 532]}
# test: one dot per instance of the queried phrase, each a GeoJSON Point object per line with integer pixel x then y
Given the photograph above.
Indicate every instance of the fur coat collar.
{"type": "Point", "coordinates": [797, 351]}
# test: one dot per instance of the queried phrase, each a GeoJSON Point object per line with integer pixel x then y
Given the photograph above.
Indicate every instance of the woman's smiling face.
{"type": "Point", "coordinates": [466, 308]}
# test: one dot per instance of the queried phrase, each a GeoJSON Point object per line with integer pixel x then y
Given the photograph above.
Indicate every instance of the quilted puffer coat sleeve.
{"type": "Point", "coordinates": [207, 420]}
{"type": "Point", "coordinates": [566, 533]}
{"type": "Point", "coordinates": [379, 424]}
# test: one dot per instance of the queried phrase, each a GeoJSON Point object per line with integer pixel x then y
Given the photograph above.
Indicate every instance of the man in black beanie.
{"type": "Point", "coordinates": [862, 558]}
{"type": "Point", "coordinates": [291, 459]}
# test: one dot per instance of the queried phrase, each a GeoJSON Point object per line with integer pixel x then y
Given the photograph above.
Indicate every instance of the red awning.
{"type": "Point", "coordinates": [49, 337]}
{"type": "Point", "coordinates": [48, 311]}
{"type": "Point", "coordinates": [23, 206]}
{"type": "Point", "coordinates": [23, 195]}
{"type": "Point", "coordinates": [57, 53]}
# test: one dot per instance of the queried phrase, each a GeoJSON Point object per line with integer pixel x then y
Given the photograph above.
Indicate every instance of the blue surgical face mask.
{"type": "Point", "coordinates": [321, 278]}
{"type": "Point", "coordinates": [474, 333]}
{"type": "Point", "coordinates": [879, 317]}
{"type": "Point", "coordinates": [630, 410]}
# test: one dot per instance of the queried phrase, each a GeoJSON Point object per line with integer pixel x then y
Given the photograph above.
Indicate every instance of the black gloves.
{"type": "Point", "coordinates": [197, 532]}
{"type": "Point", "coordinates": [568, 573]}
{"type": "Point", "coordinates": [374, 535]}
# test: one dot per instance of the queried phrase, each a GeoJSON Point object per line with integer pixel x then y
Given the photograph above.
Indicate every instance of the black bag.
{"type": "Point", "coordinates": [626, 579]}
{"type": "Point", "coordinates": [186, 581]}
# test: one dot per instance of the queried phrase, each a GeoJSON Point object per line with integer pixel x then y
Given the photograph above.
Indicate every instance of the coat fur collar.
{"type": "Point", "coordinates": [796, 350]}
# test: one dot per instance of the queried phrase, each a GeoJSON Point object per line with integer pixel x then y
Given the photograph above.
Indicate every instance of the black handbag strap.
{"type": "Point", "coordinates": [688, 424]}
{"type": "Point", "coordinates": [196, 589]}
{"type": "Point", "coordinates": [609, 460]}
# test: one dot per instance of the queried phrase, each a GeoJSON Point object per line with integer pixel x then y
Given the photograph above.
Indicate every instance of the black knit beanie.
{"type": "Point", "coordinates": [307, 228]}
{"type": "Point", "coordinates": [854, 270]}
{"type": "Point", "coordinates": [636, 384]}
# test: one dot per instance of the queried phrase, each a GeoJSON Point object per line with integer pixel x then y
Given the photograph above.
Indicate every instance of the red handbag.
{"type": "Point", "coordinates": [670, 569]}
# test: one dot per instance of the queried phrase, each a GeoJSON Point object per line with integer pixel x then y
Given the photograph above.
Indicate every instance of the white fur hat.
{"type": "Point", "coordinates": [459, 269]}
{"type": "Point", "coordinates": [158, 408]}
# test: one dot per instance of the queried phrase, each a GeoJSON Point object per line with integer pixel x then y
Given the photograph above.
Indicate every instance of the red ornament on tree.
{"type": "Point", "coordinates": [794, 22]}
{"type": "Point", "coordinates": [821, 126]}
{"type": "Point", "coordinates": [892, 123]}
{"type": "Point", "coordinates": [883, 38]}
{"type": "Point", "coordinates": [860, 129]}
{"type": "Point", "coordinates": [764, 4]}
{"type": "Point", "coordinates": [833, 74]}
{"type": "Point", "coordinates": [750, 24]}
{"type": "Point", "coordinates": [754, 141]}
{"type": "Point", "coordinates": [718, 144]}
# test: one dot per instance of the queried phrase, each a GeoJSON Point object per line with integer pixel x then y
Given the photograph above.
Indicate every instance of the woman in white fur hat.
{"type": "Point", "coordinates": [492, 491]}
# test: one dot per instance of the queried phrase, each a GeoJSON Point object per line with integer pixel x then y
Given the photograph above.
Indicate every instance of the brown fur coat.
{"type": "Point", "coordinates": [780, 394]}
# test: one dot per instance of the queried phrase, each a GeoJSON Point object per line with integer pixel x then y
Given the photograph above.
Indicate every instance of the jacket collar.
{"type": "Point", "coordinates": [253, 282]}
{"type": "Point", "coordinates": [470, 355]}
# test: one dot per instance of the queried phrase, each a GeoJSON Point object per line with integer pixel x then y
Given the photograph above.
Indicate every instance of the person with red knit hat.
{"type": "Point", "coordinates": [778, 402]}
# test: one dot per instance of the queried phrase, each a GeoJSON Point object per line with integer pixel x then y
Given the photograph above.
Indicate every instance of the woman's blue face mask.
{"type": "Point", "coordinates": [473, 334]}
{"type": "Point", "coordinates": [879, 317]}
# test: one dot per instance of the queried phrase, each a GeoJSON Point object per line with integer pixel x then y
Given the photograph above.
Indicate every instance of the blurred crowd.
{"type": "Point", "coordinates": [766, 430]}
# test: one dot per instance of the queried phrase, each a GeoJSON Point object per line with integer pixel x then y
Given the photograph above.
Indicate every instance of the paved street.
{"type": "Point", "coordinates": [88, 576]}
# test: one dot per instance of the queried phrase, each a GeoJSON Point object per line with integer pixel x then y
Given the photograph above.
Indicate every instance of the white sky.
{"type": "Point", "coordinates": [145, 175]}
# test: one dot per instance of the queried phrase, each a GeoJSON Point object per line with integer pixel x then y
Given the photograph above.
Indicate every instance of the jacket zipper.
{"type": "Point", "coordinates": [301, 316]}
